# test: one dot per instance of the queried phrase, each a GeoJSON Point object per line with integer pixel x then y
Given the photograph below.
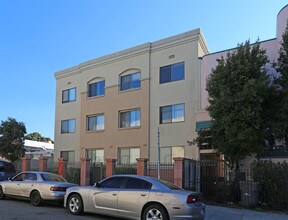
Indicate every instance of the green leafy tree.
{"type": "Point", "coordinates": [204, 139]}
{"type": "Point", "coordinates": [238, 90]}
{"type": "Point", "coordinates": [35, 136]}
{"type": "Point", "coordinates": [12, 139]}
{"type": "Point", "coordinates": [281, 124]}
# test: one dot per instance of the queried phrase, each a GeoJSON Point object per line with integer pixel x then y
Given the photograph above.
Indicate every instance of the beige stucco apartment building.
{"type": "Point", "coordinates": [113, 106]}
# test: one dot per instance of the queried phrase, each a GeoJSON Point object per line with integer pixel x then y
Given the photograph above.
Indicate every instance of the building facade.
{"type": "Point", "coordinates": [113, 106]}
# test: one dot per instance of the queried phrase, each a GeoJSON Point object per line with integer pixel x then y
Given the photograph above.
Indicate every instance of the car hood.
{"type": "Point", "coordinates": [79, 188]}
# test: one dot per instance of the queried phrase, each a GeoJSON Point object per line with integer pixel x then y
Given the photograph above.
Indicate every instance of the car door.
{"type": "Point", "coordinates": [27, 184]}
{"type": "Point", "coordinates": [13, 186]}
{"type": "Point", "coordinates": [105, 196]}
{"type": "Point", "coordinates": [133, 197]}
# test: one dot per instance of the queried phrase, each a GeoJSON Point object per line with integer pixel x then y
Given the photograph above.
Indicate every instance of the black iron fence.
{"type": "Point", "coordinates": [166, 171]}
{"type": "Point", "coordinates": [126, 169]}
{"type": "Point", "coordinates": [264, 186]}
{"type": "Point", "coordinates": [97, 172]}
{"type": "Point", "coordinates": [224, 186]}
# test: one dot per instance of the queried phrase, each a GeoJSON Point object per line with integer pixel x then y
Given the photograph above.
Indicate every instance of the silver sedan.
{"type": "Point", "coordinates": [36, 186]}
{"type": "Point", "coordinates": [135, 197]}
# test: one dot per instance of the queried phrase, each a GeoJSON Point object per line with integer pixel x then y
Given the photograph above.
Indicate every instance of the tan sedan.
{"type": "Point", "coordinates": [136, 197]}
{"type": "Point", "coordinates": [36, 186]}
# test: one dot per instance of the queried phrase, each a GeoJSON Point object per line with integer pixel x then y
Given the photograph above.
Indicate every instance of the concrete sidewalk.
{"type": "Point", "coordinates": [224, 213]}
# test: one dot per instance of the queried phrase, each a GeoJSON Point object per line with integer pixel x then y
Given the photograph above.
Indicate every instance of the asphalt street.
{"type": "Point", "coordinates": [22, 210]}
{"type": "Point", "coordinates": [11, 209]}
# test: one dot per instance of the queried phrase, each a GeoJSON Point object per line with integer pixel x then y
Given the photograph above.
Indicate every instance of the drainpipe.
{"type": "Point", "coordinates": [149, 104]}
{"type": "Point", "coordinates": [158, 161]}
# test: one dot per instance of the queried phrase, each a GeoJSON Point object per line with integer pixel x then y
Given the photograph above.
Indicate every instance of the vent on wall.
{"type": "Point", "coordinates": [171, 56]}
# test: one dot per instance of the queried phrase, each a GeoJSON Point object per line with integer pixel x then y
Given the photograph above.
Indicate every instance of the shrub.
{"type": "Point", "coordinates": [126, 169]}
{"type": "Point", "coordinates": [73, 175]}
{"type": "Point", "coordinates": [274, 180]}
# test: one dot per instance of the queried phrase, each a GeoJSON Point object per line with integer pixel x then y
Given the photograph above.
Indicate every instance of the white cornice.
{"type": "Point", "coordinates": [203, 43]}
{"type": "Point", "coordinates": [190, 36]}
{"type": "Point", "coordinates": [118, 56]}
{"type": "Point", "coordinates": [176, 40]}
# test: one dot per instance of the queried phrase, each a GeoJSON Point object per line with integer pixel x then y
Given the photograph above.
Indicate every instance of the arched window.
{"type": "Point", "coordinates": [96, 87]}
{"type": "Point", "coordinates": [130, 80]}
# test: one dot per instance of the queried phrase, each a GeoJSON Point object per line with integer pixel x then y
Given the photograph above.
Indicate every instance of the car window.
{"type": "Point", "coordinates": [7, 167]}
{"type": "Point", "coordinates": [10, 168]}
{"type": "Point", "coordinates": [19, 177]}
{"type": "Point", "coordinates": [168, 184]}
{"type": "Point", "coordinates": [2, 167]}
{"type": "Point", "coordinates": [30, 177]}
{"type": "Point", "coordinates": [52, 177]}
{"type": "Point", "coordinates": [134, 183]}
{"type": "Point", "coordinates": [113, 182]}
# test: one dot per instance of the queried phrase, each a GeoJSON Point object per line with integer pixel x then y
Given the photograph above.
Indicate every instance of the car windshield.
{"type": "Point", "coordinates": [168, 184]}
{"type": "Point", "coordinates": [7, 167]}
{"type": "Point", "coordinates": [2, 168]}
{"type": "Point", "coordinates": [52, 177]}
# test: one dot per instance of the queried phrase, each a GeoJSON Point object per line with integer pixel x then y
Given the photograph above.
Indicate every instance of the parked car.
{"type": "Point", "coordinates": [135, 197]}
{"type": "Point", "coordinates": [7, 170]}
{"type": "Point", "coordinates": [36, 186]}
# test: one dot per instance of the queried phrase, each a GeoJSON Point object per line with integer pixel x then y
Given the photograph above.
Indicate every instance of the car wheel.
{"type": "Point", "coordinates": [2, 195]}
{"type": "Point", "coordinates": [35, 198]}
{"type": "Point", "coordinates": [75, 204]}
{"type": "Point", "coordinates": [154, 212]}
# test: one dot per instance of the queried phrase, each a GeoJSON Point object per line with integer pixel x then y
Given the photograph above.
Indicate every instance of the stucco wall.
{"type": "Point", "coordinates": [184, 91]}
{"type": "Point", "coordinates": [282, 20]}
{"type": "Point", "coordinates": [147, 58]}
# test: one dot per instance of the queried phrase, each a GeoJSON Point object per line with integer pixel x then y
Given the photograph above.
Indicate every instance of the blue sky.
{"type": "Point", "coordinates": [40, 37]}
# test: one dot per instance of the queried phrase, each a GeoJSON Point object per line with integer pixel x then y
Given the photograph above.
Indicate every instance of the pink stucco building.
{"type": "Point", "coordinates": [208, 62]}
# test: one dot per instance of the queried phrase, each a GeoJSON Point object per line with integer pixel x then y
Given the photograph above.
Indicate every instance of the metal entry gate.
{"type": "Point", "coordinates": [97, 172]}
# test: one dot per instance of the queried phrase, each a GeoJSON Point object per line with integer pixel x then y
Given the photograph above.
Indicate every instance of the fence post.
{"type": "Point", "coordinates": [43, 164]}
{"type": "Point", "coordinates": [178, 171]}
{"type": "Point", "coordinates": [26, 164]}
{"type": "Point", "coordinates": [198, 176]}
{"type": "Point", "coordinates": [142, 166]}
{"type": "Point", "coordinates": [110, 167]}
{"type": "Point", "coordinates": [62, 167]}
{"type": "Point", "coordinates": [85, 172]}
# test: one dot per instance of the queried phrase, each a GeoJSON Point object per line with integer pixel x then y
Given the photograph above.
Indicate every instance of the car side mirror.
{"type": "Point", "coordinates": [10, 178]}
{"type": "Point", "coordinates": [97, 184]}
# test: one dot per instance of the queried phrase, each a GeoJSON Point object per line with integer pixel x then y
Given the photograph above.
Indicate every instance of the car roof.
{"type": "Point", "coordinates": [38, 172]}
{"type": "Point", "coordinates": [135, 176]}
{"type": "Point", "coordinates": [150, 179]}
{"type": "Point", "coordinates": [5, 161]}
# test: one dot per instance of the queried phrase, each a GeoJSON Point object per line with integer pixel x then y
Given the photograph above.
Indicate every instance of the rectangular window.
{"type": "Point", "coordinates": [131, 81]}
{"type": "Point", "coordinates": [168, 153]}
{"type": "Point", "coordinates": [96, 89]}
{"type": "Point", "coordinates": [171, 73]}
{"type": "Point", "coordinates": [172, 113]}
{"type": "Point", "coordinates": [95, 155]}
{"type": "Point", "coordinates": [129, 119]}
{"type": "Point", "coordinates": [68, 126]}
{"type": "Point", "coordinates": [69, 156]}
{"type": "Point", "coordinates": [95, 122]}
{"type": "Point", "coordinates": [69, 95]}
{"type": "Point", "coordinates": [129, 155]}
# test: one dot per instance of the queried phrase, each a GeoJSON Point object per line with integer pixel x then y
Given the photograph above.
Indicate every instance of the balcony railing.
{"type": "Point", "coordinates": [206, 146]}
{"type": "Point", "coordinates": [275, 152]}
